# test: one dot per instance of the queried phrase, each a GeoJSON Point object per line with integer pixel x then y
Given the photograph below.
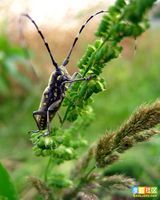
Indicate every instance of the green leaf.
{"type": "Point", "coordinates": [7, 189]}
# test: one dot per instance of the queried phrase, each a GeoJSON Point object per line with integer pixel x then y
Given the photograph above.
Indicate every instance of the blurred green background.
{"type": "Point", "coordinates": [131, 80]}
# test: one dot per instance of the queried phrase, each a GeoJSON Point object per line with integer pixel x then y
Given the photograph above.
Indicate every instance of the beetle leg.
{"type": "Point", "coordinates": [35, 131]}
{"type": "Point", "coordinates": [35, 113]}
{"type": "Point", "coordinates": [75, 75]}
{"type": "Point", "coordinates": [76, 80]}
{"type": "Point", "coordinates": [48, 124]}
{"type": "Point", "coordinates": [83, 79]}
{"type": "Point", "coordinates": [79, 79]}
{"type": "Point", "coordinates": [52, 107]}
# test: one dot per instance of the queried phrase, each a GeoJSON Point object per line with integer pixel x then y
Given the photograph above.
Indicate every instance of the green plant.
{"type": "Point", "coordinates": [122, 20]}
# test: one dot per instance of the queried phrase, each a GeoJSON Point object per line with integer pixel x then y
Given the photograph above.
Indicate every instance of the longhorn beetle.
{"type": "Point", "coordinates": [54, 93]}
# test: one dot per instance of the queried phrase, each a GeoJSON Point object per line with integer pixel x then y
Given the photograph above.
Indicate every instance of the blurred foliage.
{"type": "Point", "coordinates": [12, 67]}
{"type": "Point", "coordinates": [156, 12]}
{"type": "Point", "coordinates": [7, 190]}
{"type": "Point", "coordinates": [129, 83]}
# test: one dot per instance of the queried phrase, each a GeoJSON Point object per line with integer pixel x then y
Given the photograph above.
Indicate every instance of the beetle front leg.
{"type": "Point", "coordinates": [75, 75]}
{"type": "Point", "coordinates": [79, 79]}
{"type": "Point", "coordinates": [83, 79]}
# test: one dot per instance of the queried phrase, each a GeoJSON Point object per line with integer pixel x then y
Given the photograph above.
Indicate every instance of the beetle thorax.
{"type": "Point", "coordinates": [60, 75]}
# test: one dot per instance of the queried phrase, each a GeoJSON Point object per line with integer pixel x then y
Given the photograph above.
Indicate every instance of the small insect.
{"type": "Point", "coordinates": [54, 93]}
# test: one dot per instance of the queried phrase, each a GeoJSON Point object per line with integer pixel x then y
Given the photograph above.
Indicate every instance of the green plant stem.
{"type": "Point", "coordinates": [47, 169]}
{"type": "Point", "coordinates": [85, 72]}
{"type": "Point", "coordinates": [65, 115]}
{"type": "Point", "coordinates": [90, 171]}
{"type": "Point", "coordinates": [87, 69]}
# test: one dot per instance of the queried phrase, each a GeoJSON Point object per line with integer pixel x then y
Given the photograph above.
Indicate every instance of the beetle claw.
{"type": "Point", "coordinates": [33, 131]}
{"type": "Point", "coordinates": [46, 133]}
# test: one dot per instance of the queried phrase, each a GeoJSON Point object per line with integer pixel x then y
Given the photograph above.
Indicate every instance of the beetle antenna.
{"type": "Point", "coordinates": [65, 62]}
{"type": "Point", "coordinates": [45, 42]}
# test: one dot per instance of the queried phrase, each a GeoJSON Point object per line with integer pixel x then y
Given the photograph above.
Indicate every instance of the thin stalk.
{"type": "Point", "coordinates": [47, 169]}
